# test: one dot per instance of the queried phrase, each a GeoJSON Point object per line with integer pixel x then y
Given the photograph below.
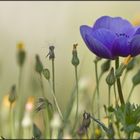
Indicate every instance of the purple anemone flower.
{"type": "Point", "coordinates": [111, 37]}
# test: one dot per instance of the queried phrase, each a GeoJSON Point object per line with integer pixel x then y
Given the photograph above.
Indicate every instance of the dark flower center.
{"type": "Point", "coordinates": [122, 34]}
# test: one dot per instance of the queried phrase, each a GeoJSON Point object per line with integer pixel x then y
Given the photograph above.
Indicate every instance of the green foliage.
{"type": "Point", "coordinates": [129, 116]}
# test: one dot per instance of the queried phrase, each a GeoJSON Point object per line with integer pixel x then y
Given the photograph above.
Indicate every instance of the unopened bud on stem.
{"type": "Point", "coordinates": [75, 60]}
{"type": "Point", "coordinates": [110, 79]}
{"type": "Point", "coordinates": [39, 65]}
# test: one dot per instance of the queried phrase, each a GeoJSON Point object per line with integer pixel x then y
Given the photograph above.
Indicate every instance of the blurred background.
{"type": "Point", "coordinates": [40, 24]}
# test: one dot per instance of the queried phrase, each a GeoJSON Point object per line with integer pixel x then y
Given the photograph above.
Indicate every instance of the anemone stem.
{"type": "Point", "coordinates": [119, 83]}
{"type": "Point", "coordinates": [98, 93]}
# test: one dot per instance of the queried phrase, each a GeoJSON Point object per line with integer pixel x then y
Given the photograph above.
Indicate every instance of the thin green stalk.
{"type": "Point", "coordinates": [12, 123]}
{"type": "Point", "coordinates": [119, 83]}
{"type": "Point", "coordinates": [53, 75]}
{"type": "Point", "coordinates": [45, 119]}
{"type": "Point", "coordinates": [87, 134]}
{"type": "Point", "coordinates": [20, 79]}
{"type": "Point", "coordinates": [20, 100]}
{"type": "Point", "coordinates": [124, 78]}
{"type": "Point", "coordinates": [130, 93]}
{"type": "Point", "coordinates": [98, 94]}
{"type": "Point", "coordinates": [56, 103]}
{"type": "Point", "coordinates": [94, 94]}
{"type": "Point", "coordinates": [114, 87]}
{"type": "Point", "coordinates": [109, 88]}
{"type": "Point", "coordinates": [77, 90]}
{"type": "Point", "coordinates": [42, 87]}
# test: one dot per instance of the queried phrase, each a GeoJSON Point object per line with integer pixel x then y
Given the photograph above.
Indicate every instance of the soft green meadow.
{"type": "Point", "coordinates": [52, 86]}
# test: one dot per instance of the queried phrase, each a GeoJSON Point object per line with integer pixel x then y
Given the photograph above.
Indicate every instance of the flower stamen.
{"type": "Point", "coordinates": [127, 59]}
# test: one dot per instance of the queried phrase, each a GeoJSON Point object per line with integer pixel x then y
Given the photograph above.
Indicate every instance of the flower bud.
{"type": "Point", "coordinates": [39, 65]}
{"type": "Point", "coordinates": [46, 73]}
{"type": "Point", "coordinates": [120, 70]}
{"type": "Point", "coordinates": [51, 52]}
{"type": "Point", "coordinates": [36, 132]}
{"type": "Point", "coordinates": [105, 66]}
{"type": "Point", "coordinates": [12, 95]}
{"type": "Point", "coordinates": [131, 65]}
{"type": "Point", "coordinates": [136, 78]}
{"type": "Point", "coordinates": [75, 60]}
{"type": "Point", "coordinates": [21, 54]}
{"type": "Point", "coordinates": [110, 79]}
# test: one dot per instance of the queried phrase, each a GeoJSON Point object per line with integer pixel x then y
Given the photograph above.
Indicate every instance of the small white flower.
{"type": "Point", "coordinates": [27, 121]}
{"type": "Point", "coordinates": [56, 121]}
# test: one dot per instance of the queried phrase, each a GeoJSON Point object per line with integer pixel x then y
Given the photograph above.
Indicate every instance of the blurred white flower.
{"type": "Point", "coordinates": [27, 120]}
{"type": "Point", "coordinates": [85, 83]}
{"type": "Point", "coordinates": [55, 125]}
{"type": "Point", "coordinates": [56, 121]}
{"type": "Point", "coordinates": [67, 136]}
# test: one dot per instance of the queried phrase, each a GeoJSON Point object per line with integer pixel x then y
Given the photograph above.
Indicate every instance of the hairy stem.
{"type": "Point", "coordinates": [77, 102]}
{"type": "Point", "coordinates": [12, 123]}
{"type": "Point", "coordinates": [119, 83]}
{"type": "Point", "coordinates": [116, 101]}
{"type": "Point", "coordinates": [53, 76]}
{"type": "Point", "coordinates": [56, 103]}
{"type": "Point", "coordinates": [97, 85]}
{"type": "Point", "coordinates": [130, 93]}
{"type": "Point", "coordinates": [109, 88]}
{"type": "Point", "coordinates": [94, 94]}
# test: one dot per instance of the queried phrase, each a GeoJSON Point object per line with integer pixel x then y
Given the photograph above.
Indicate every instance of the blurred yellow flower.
{"type": "Point", "coordinates": [5, 101]}
{"type": "Point", "coordinates": [20, 46]}
{"type": "Point", "coordinates": [136, 20]}
{"type": "Point", "coordinates": [98, 132]}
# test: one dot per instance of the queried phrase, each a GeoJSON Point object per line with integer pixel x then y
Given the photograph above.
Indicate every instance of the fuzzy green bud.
{"type": "Point", "coordinates": [38, 65]}
{"type": "Point", "coordinates": [36, 132]}
{"type": "Point", "coordinates": [120, 70]}
{"type": "Point", "coordinates": [75, 60]}
{"type": "Point", "coordinates": [110, 79]}
{"type": "Point", "coordinates": [105, 66]}
{"type": "Point", "coordinates": [12, 95]}
{"type": "Point", "coordinates": [20, 54]}
{"type": "Point", "coordinates": [46, 73]}
{"type": "Point", "coordinates": [131, 65]}
{"type": "Point", "coordinates": [136, 78]}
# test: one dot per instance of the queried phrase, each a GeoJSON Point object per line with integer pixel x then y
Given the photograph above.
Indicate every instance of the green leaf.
{"type": "Point", "coordinates": [111, 109]}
